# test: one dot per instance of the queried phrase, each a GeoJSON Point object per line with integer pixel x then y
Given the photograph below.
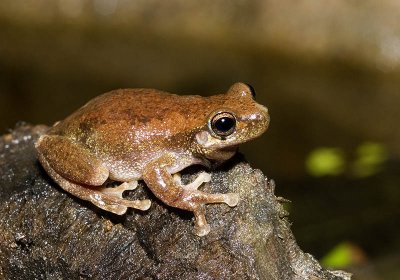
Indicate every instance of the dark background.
{"type": "Point", "coordinates": [328, 72]}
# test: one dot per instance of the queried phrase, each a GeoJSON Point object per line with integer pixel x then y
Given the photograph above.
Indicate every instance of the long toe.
{"type": "Point", "coordinates": [202, 230]}
{"type": "Point", "coordinates": [139, 204]}
{"type": "Point", "coordinates": [232, 199]}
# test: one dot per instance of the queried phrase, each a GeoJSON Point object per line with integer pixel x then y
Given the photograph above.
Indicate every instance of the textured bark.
{"type": "Point", "coordinates": [45, 233]}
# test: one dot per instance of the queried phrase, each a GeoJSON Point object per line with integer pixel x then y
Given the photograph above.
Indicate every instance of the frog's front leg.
{"type": "Point", "coordinates": [203, 177]}
{"type": "Point", "coordinates": [82, 174]}
{"type": "Point", "coordinates": [171, 192]}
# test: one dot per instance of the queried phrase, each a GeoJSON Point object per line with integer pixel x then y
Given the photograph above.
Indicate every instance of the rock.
{"type": "Point", "coordinates": [45, 233]}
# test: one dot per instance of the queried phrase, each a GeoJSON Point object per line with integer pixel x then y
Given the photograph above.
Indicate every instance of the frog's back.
{"type": "Point", "coordinates": [133, 105]}
{"type": "Point", "coordinates": [133, 115]}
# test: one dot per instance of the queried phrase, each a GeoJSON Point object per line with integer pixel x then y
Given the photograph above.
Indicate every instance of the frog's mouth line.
{"type": "Point", "coordinates": [233, 148]}
{"type": "Point", "coordinates": [227, 152]}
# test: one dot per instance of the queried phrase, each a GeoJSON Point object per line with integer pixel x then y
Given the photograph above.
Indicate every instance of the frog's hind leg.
{"type": "Point", "coordinates": [84, 175]}
{"type": "Point", "coordinates": [105, 198]}
{"type": "Point", "coordinates": [117, 191]}
{"type": "Point", "coordinates": [110, 199]}
{"type": "Point", "coordinates": [115, 194]}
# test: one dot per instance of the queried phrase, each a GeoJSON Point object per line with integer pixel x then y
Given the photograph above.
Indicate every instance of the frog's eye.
{"type": "Point", "coordinates": [223, 124]}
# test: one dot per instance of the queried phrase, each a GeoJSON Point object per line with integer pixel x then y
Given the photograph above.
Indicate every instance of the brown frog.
{"type": "Point", "coordinates": [128, 135]}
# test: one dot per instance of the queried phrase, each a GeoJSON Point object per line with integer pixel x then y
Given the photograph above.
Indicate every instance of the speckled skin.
{"type": "Point", "coordinates": [146, 134]}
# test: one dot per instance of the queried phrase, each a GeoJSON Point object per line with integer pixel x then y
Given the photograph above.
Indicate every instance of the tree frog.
{"type": "Point", "coordinates": [127, 135]}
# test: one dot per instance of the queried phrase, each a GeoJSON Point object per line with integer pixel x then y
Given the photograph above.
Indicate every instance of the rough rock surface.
{"type": "Point", "coordinates": [45, 233]}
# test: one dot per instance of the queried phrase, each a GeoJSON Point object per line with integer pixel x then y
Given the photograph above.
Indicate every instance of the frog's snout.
{"type": "Point", "coordinates": [261, 117]}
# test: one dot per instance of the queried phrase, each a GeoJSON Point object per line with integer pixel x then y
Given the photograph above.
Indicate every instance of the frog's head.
{"type": "Point", "coordinates": [234, 118]}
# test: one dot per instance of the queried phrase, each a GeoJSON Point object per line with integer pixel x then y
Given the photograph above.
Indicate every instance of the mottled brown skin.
{"type": "Point", "coordinates": [146, 134]}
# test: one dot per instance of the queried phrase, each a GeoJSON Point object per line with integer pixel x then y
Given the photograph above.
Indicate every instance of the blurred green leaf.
{"type": "Point", "coordinates": [370, 157]}
{"type": "Point", "coordinates": [325, 161]}
{"type": "Point", "coordinates": [343, 255]}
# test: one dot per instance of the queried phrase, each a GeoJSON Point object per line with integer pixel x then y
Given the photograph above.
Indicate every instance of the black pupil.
{"type": "Point", "coordinates": [224, 124]}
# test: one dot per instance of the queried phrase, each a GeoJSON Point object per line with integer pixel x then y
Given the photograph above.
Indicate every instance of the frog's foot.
{"type": "Point", "coordinates": [199, 199]}
{"type": "Point", "coordinates": [231, 199]}
{"type": "Point", "coordinates": [113, 202]}
{"type": "Point", "coordinates": [203, 177]}
{"type": "Point", "coordinates": [201, 227]}
{"type": "Point", "coordinates": [117, 191]}
{"type": "Point", "coordinates": [188, 197]}
{"type": "Point", "coordinates": [110, 199]}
